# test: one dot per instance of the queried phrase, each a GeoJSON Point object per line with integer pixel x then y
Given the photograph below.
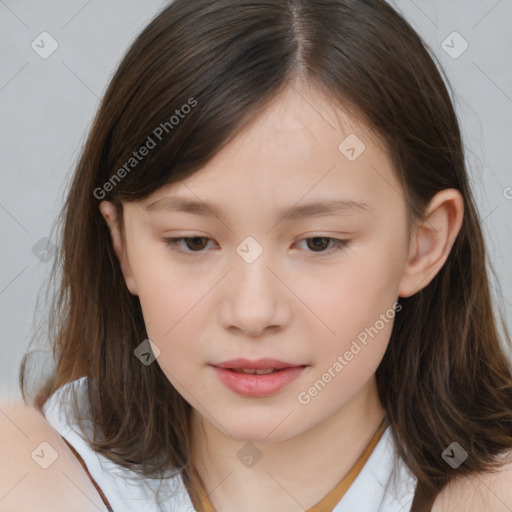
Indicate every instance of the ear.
{"type": "Point", "coordinates": [432, 241]}
{"type": "Point", "coordinates": [109, 212]}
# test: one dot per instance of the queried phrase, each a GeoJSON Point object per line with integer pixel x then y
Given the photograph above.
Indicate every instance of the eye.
{"type": "Point", "coordinates": [196, 244]}
{"type": "Point", "coordinates": [321, 242]}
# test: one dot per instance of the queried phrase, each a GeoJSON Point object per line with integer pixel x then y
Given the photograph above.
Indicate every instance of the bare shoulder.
{"type": "Point", "coordinates": [38, 471]}
{"type": "Point", "coordinates": [482, 491]}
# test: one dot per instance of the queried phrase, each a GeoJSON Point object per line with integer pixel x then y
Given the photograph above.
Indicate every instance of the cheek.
{"type": "Point", "coordinates": [166, 291]}
{"type": "Point", "coordinates": [170, 312]}
{"type": "Point", "coordinates": [168, 307]}
{"type": "Point", "coordinates": [373, 287]}
{"type": "Point", "coordinates": [353, 295]}
{"type": "Point", "coordinates": [359, 308]}
{"type": "Point", "coordinates": [357, 304]}
{"type": "Point", "coordinates": [158, 290]}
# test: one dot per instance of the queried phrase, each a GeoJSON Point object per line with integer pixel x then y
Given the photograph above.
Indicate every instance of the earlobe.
{"type": "Point", "coordinates": [432, 241]}
{"type": "Point", "coordinates": [109, 212]}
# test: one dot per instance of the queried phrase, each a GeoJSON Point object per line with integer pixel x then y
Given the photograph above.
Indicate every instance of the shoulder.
{"type": "Point", "coordinates": [38, 471]}
{"type": "Point", "coordinates": [481, 491]}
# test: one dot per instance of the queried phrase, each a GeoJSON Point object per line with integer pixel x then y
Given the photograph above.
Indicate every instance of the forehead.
{"type": "Point", "coordinates": [302, 144]}
{"type": "Point", "coordinates": [299, 123]}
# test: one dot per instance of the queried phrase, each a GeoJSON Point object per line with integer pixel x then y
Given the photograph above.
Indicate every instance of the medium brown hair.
{"type": "Point", "coordinates": [444, 378]}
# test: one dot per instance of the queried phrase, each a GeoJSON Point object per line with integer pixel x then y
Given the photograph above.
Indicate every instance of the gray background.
{"type": "Point", "coordinates": [47, 105]}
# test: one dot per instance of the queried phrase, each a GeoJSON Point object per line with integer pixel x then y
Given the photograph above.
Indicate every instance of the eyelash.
{"type": "Point", "coordinates": [172, 243]}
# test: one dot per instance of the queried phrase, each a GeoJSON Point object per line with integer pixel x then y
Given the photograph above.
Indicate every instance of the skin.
{"type": "Point", "coordinates": [479, 491]}
{"type": "Point", "coordinates": [295, 302]}
{"type": "Point", "coordinates": [35, 476]}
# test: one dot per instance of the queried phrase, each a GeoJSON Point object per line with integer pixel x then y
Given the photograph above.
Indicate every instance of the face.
{"type": "Point", "coordinates": [256, 275]}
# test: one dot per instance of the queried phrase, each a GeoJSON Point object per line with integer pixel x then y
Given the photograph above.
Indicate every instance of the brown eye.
{"type": "Point", "coordinates": [193, 244]}
{"type": "Point", "coordinates": [196, 242]}
{"type": "Point", "coordinates": [319, 242]}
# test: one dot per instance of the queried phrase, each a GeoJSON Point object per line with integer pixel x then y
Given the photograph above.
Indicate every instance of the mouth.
{"type": "Point", "coordinates": [257, 378]}
{"type": "Point", "coordinates": [259, 371]}
{"type": "Point", "coordinates": [263, 365]}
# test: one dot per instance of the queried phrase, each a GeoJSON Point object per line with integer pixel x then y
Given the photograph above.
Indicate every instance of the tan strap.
{"type": "Point", "coordinates": [329, 502]}
{"type": "Point", "coordinates": [84, 465]}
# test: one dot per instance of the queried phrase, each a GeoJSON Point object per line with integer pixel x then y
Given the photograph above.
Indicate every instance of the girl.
{"type": "Point", "coordinates": [274, 291]}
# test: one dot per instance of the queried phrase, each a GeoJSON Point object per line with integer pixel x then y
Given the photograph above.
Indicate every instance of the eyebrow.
{"type": "Point", "coordinates": [319, 208]}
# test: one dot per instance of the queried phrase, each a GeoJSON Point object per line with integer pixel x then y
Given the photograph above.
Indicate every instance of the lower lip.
{"type": "Point", "coordinates": [252, 384]}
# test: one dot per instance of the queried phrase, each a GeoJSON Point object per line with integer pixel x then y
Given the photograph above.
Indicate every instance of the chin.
{"type": "Point", "coordinates": [263, 431]}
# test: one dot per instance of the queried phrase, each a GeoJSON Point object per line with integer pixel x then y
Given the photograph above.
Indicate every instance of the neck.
{"type": "Point", "coordinates": [292, 474]}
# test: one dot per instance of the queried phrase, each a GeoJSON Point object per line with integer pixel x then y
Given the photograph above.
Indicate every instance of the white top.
{"type": "Point", "coordinates": [379, 487]}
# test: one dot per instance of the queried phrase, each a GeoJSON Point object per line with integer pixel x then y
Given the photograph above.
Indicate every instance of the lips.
{"type": "Point", "coordinates": [257, 378]}
{"type": "Point", "coordinates": [265, 363]}
{"type": "Point", "coordinates": [258, 385]}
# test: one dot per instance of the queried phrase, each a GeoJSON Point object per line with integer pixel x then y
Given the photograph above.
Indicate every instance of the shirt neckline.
{"type": "Point", "coordinates": [334, 496]}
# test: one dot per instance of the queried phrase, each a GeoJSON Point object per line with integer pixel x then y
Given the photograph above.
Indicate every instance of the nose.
{"type": "Point", "coordinates": [255, 300]}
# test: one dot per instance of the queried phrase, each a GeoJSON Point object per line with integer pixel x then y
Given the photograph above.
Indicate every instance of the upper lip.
{"type": "Point", "coordinates": [257, 364]}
